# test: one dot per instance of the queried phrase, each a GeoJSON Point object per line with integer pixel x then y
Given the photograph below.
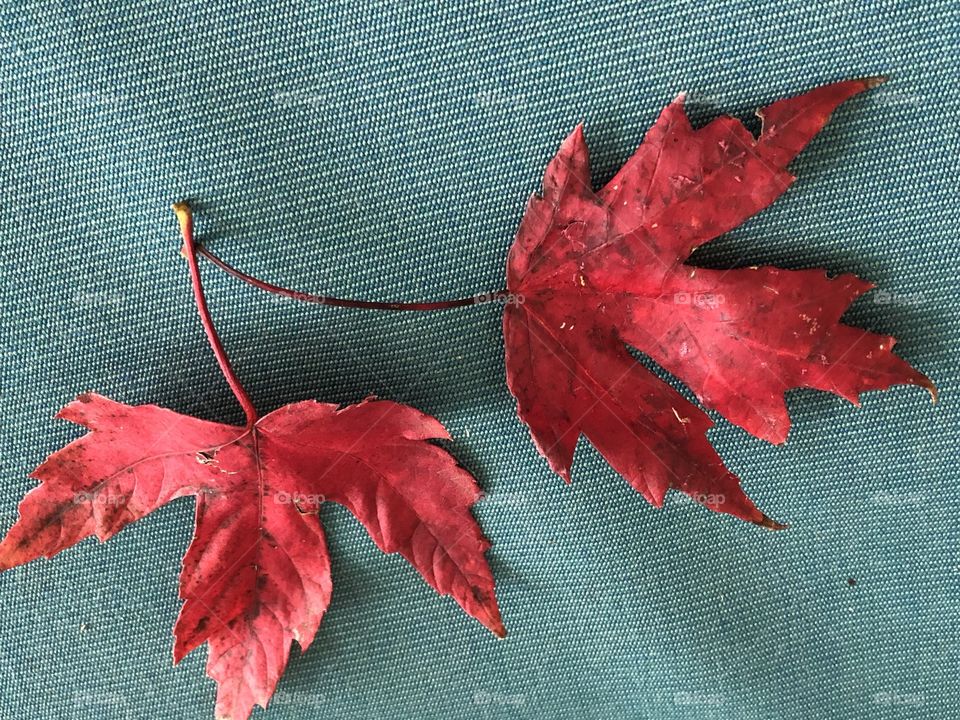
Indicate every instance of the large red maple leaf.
{"type": "Point", "coordinates": [598, 271]}
{"type": "Point", "coordinates": [257, 574]}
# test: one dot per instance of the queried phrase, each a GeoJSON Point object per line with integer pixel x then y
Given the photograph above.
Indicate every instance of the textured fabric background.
{"type": "Point", "coordinates": [385, 150]}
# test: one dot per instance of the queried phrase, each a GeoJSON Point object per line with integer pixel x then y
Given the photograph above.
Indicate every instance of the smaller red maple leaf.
{"type": "Point", "coordinates": [257, 573]}
{"type": "Point", "coordinates": [600, 270]}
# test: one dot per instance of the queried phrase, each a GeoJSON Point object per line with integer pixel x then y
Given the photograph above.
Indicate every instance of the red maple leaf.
{"type": "Point", "coordinates": [597, 271]}
{"type": "Point", "coordinates": [257, 574]}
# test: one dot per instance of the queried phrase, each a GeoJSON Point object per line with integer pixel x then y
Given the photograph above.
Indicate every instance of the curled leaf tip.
{"type": "Point", "coordinates": [771, 524]}
{"type": "Point", "coordinates": [872, 82]}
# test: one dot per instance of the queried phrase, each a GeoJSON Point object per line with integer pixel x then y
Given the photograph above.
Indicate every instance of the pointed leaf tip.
{"type": "Point", "coordinates": [771, 524]}
{"type": "Point", "coordinates": [874, 81]}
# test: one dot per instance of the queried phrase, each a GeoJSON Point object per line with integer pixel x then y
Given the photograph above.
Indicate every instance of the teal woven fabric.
{"type": "Point", "coordinates": [385, 150]}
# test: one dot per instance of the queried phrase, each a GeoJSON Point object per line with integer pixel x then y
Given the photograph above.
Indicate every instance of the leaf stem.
{"type": "Point", "coordinates": [502, 296]}
{"type": "Point", "coordinates": [189, 251]}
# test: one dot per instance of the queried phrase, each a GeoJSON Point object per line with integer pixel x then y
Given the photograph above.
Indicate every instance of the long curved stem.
{"type": "Point", "coordinates": [185, 218]}
{"type": "Point", "coordinates": [498, 296]}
